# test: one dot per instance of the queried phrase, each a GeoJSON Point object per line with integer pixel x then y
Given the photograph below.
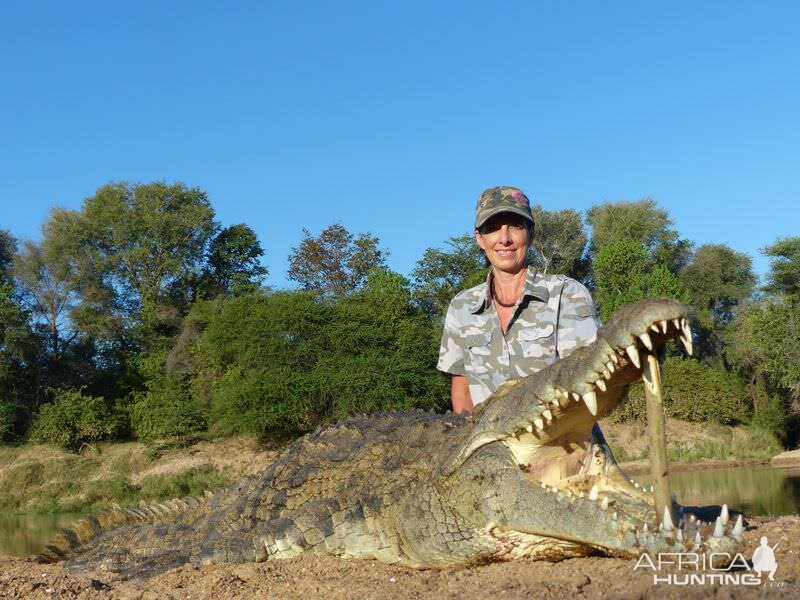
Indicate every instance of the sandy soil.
{"type": "Point", "coordinates": [328, 577]}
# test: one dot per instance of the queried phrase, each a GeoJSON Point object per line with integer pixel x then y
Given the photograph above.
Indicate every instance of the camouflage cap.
{"type": "Point", "coordinates": [502, 199]}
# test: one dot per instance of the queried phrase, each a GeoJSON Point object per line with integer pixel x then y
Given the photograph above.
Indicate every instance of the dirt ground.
{"type": "Point", "coordinates": [332, 578]}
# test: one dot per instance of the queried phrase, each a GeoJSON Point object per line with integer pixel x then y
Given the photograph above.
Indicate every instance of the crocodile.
{"type": "Point", "coordinates": [528, 474]}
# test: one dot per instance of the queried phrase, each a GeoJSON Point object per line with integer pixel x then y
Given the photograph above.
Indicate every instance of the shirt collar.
{"type": "Point", "coordinates": [534, 288]}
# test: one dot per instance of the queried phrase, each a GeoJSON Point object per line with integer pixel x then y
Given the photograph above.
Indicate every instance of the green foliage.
{"type": "Point", "coordinates": [335, 262]}
{"type": "Point", "coordinates": [166, 412]}
{"type": "Point", "coordinates": [784, 274]}
{"type": "Point", "coordinates": [643, 222]}
{"type": "Point", "coordinates": [622, 275]}
{"type": "Point", "coordinates": [75, 419]}
{"type": "Point", "coordinates": [441, 274]}
{"type": "Point", "coordinates": [763, 344]}
{"type": "Point", "coordinates": [559, 241]}
{"type": "Point", "coordinates": [135, 248]}
{"type": "Point", "coordinates": [695, 391]}
{"type": "Point", "coordinates": [717, 279]}
{"type": "Point", "coordinates": [233, 263]}
{"type": "Point", "coordinates": [286, 363]}
{"type": "Point", "coordinates": [18, 355]}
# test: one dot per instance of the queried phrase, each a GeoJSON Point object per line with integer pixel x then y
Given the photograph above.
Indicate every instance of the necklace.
{"type": "Point", "coordinates": [500, 302]}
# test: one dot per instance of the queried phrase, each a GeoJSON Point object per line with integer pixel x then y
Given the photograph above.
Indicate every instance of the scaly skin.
{"type": "Point", "coordinates": [516, 478]}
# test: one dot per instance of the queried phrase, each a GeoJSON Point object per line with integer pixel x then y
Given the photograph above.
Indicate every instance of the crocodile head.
{"type": "Point", "coordinates": [574, 498]}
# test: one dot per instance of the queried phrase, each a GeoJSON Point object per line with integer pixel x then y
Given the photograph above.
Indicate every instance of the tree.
{"type": "Point", "coordinates": [134, 248]}
{"type": "Point", "coordinates": [643, 222]}
{"type": "Point", "coordinates": [50, 292]}
{"type": "Point", "coordinates": [717, 279]}
{"type": "Point", "coordinates": [762, 343]}
{"type": "Point", "coordinates": [784, 274]}
{"type": "Point", "coordinates": [335, 262]}
{"type": "Point", "coordinates": [18, 351]}
{"type": "Point", "coordinates": [622, 275]}
{"type": "Point", "coordinates": [559, 242]}
{"type": "Point", "coordinates": [233, 262]}
{"type": "Point", "coordinates": [8, 246]}
{"type": "Point", "coordinates": [281, 364]}
{"type": "Point", "coordinates": [441, 274]}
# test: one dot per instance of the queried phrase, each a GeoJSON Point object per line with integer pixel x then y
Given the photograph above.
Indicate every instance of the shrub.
{"type": "Point", "coordinates": [166, 412]}
{"type": "Point", "coordinates": [694, 391]}
{"type": "Point", "coordinates": [75, 419]}
{"type": "Point", "coordinates": [280, 365]}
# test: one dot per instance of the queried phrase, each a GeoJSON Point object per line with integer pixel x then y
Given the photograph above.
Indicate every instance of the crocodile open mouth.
{"type": "Point", "coordinates": [554, 451]}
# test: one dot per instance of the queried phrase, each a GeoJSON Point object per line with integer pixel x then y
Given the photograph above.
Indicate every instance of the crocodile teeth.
{"type": "Point", "coordinates": [697, 539]}
{"type": "Point", "coordinates": [529, 428]}
{"type": "Point", "coordinates": [633, 354]}
{"type": "Point", "coordinates": [648, 343]}
{"type": "Point", "coordinates": [610, 367]}
{"type": "Point", "coordinates": [576, 396]}
{"type": "Point", "coordinates": [539, 423]}
{"type": "Point", "coordinates": [692, 518]}
{"type": "Point", "coordinates": [654, 328]}
{"type": "Point", "coordinates": [667, 520]}
{"type": "Point", "coordinates": [604, 503]}
{"type": "Point", "coordinates": [593, 492]}
{"type": "Point", "coordinates": [723, 514]}
{"type": "Point", "coordinates": [663, 326]}
{"type": "Point", "coordinates": [590, 399]}
{"type": "Point", "coordinates": [687, 344]}
{"type": "Point", "coordinates": [719, 530]}
{"type": "Point", "coordinates": [738, 529]}
{"type": "Point", "coordinates": [600, 384]}
{"type": "Point", "coordinates": [547, 415]}
{"type": "Point", "coordinates": [615, 358]}
{"type": "Point", "coordinates": [680, 535]}
{"type": "Point", "coordinates": [677, 323]}
{"type": "Point", "coordinates": [606, 374]}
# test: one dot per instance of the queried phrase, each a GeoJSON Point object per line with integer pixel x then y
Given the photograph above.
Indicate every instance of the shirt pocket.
{"type": "Point", "coordinates": [477, 352]}
{"type": "Point", "coordinates": [537, 342]}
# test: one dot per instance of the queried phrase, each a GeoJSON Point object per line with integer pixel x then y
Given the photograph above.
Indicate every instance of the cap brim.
{"type": "Point", "coordinates": [502, 209]}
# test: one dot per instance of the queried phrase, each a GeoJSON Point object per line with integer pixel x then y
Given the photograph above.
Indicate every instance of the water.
{"type": "Point", "coordinates": [763, 491]}
{"type": "Point", "coordinates": [25, 535]}
{"type": "Point", "coordinates": [757, 491]}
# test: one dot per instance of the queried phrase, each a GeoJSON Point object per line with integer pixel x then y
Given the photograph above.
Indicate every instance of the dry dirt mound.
{"type": "Point", "coordinates": [327, 577]}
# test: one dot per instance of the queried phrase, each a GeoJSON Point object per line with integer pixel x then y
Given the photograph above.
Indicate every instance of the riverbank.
{"type": "Point", "coordinates": [333, 578]}
{"type": "Point", "coordinates": [43, 479]}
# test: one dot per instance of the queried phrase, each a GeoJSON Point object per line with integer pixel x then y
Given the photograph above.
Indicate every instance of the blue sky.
{"type": "Point", "coordinates": [391, 117]}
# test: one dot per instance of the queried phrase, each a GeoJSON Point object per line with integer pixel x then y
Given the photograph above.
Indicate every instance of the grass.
{"type": "Point", "coordinates": [717, 442]}
{"type": "Point", "coordinates": [44, 480]}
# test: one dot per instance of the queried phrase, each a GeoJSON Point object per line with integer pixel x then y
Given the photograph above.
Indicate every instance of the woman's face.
{"type": "Point", "coordinates": [504, 239]}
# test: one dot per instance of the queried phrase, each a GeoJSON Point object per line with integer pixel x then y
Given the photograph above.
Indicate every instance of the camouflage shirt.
{"type": "Point", "coordinates": [554, 315]}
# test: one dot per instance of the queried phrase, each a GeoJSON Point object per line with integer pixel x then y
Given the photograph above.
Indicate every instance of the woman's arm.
{"type": "Point", "coordinates": [459, 394]}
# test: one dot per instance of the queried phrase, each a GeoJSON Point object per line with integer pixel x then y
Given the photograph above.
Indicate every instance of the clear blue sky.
{"type": "Point", "coordinates": [391, 117]}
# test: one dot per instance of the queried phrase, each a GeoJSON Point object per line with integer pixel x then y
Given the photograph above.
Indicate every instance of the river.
{"type": "Point", "coordinates": [760, 491]}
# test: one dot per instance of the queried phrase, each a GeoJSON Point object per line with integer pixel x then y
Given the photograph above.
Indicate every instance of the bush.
{"type": "Point", "coordinates": [74, 419]}
{"type": "Point", "coordinates": [166, 412]}
{"type": "Point", "coordinates": [280, 365]}
{"type": "Point", "coordinates": [694, 391]}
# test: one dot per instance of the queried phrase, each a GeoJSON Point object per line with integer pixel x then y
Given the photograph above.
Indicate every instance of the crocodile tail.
{"type": "Point", "coordinates": [68, 540]}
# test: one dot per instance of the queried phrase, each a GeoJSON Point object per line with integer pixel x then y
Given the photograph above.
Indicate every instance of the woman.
{"type": "Point", "coordinates": [519, 320]}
